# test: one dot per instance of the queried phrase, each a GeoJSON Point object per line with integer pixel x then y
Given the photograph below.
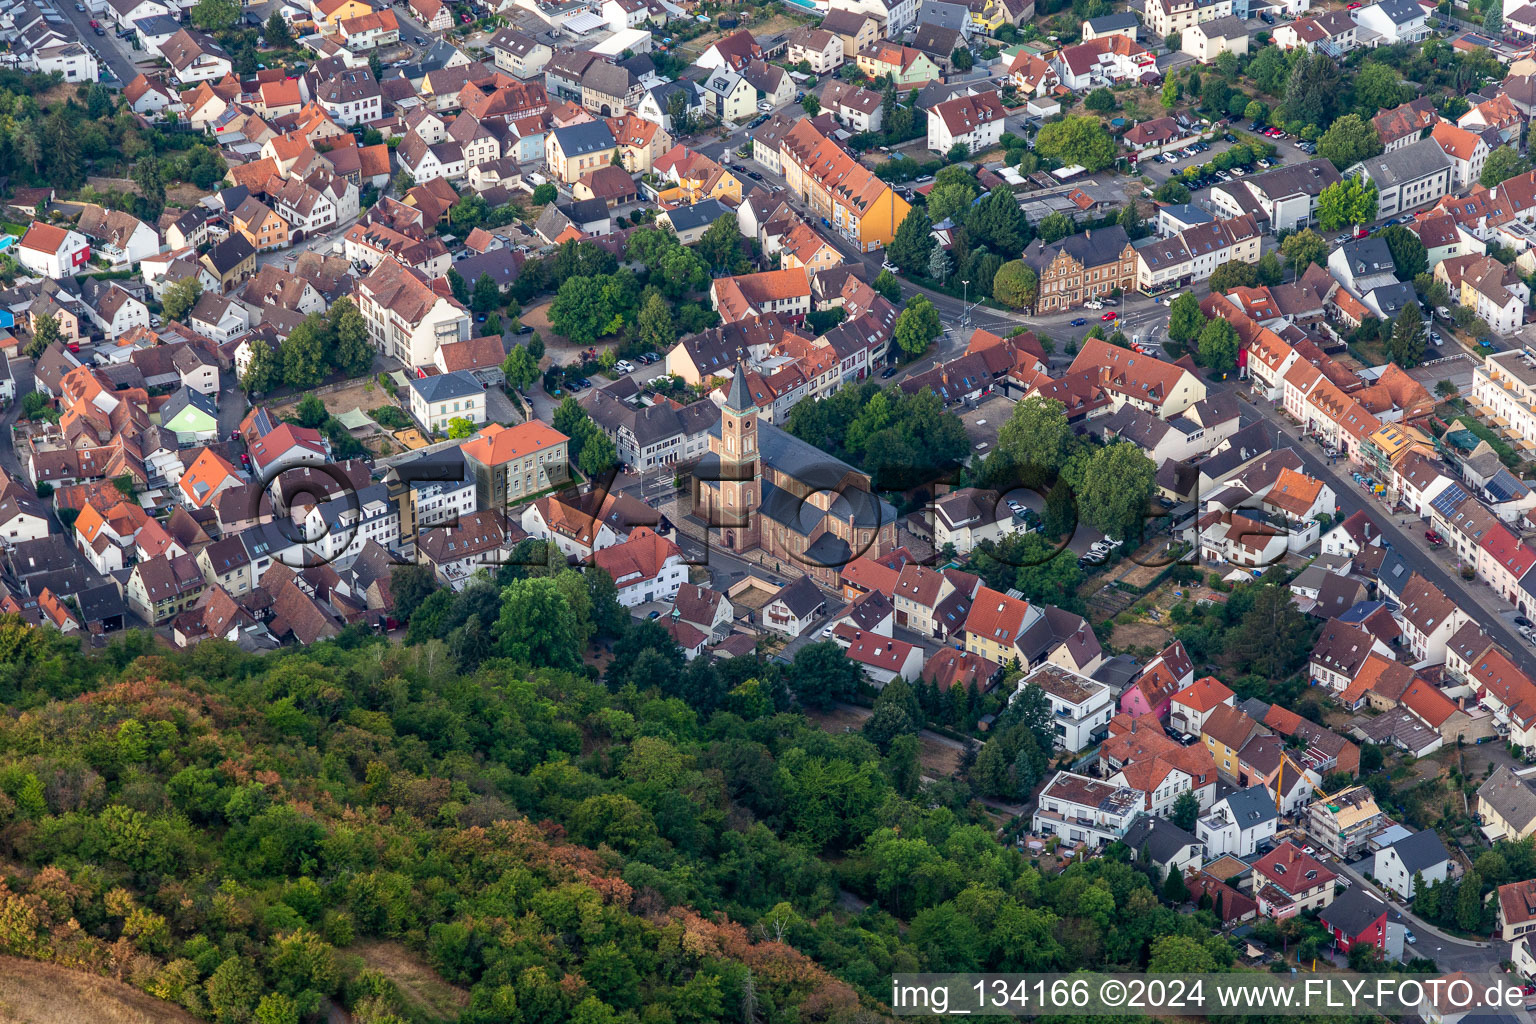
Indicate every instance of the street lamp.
{"type": "Point", "coordinates": [965, 310]}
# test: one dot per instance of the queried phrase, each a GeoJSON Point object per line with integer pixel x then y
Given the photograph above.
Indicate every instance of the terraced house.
{"type": "Point", "coordinates": [857, 204]}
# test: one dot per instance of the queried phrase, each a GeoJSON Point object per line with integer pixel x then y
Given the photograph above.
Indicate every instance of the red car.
{"type": "Point", "coordinates": [1433, 537]}
{"type": "Point", "coordinates": [95, 23]}
{"type": "Point", "coordinates": [466, 19]}
{"type": "Point", "coordinates": [1110, 316]}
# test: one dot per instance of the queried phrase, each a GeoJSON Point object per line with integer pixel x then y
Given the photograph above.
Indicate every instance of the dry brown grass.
{"type": "Point", "coordinates": [1140, 634]}
{"type": "Point", "coordinates": [363, 393]}
{"type": "Point", "coordinates": [38, 993]}
{"type": "Point", "coordinates": [419, 984]}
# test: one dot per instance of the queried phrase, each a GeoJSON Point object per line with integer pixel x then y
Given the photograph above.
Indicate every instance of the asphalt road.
{"type": "Point", "coordinates": [1407, 540]}
{"type": "Point", "coordinates": [113, 52]}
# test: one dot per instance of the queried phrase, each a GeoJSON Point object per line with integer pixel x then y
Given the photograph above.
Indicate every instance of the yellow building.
{"type": "Point", "coordinates": [848, 195]}
{"type": "Point", "coordinates": [695, 178]}
{"type": "Point", "coordinates": [995, 623]}
{"type": "Point", "coordinates": [331, 13]}
{"type": "Point", "coordinates": [576, 149]}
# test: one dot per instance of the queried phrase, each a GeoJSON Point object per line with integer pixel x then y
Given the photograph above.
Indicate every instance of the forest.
{"type": "Point", "coordinates": [540, 798]}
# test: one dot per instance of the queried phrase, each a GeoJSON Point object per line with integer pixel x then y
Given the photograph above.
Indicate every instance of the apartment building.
{"type": "Point", "coordinates": [856, 204]}
{"type": "Point", "coordinates": [510, 464]}
{"type": "Point", "coordinates": [406, 318]}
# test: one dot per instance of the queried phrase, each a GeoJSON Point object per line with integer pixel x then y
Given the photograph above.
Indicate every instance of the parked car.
{"type": "Point", "coordinates": [889, 372]}
{"type": "Point", "coordinates": [1521, 620]}
{"type": "Point", "coordinates": [624, 366]}
{"type": "Point", "coordinates": [888, 265]}
{"type": "Point", "coordinates": [1433, 537]}
{"type": "Point", "coordinates": [1266, 17]}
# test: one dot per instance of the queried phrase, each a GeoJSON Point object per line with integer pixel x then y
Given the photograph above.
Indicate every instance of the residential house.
{"type": "Point", "coordinates": [1287, 881]}
{"type": "Point", "coordinates": [511, 464]}
{"type": "Point", "coordinates": [975, 122]}
{"type": "Point", "coordinates": [439, 399]}
{"type": "Point", "coordinates": [1402, 866]}
{"type": "Point", "coordinates": [1080, 809]}
{"type": "Point", "coordinates": [1239, 824]}
{"type": "Point", "coordinates": [1415, 175]}
{"type": "Point", "coordinates": [1358, 916]}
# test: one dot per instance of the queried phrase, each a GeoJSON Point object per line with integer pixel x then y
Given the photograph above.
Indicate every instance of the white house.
{"type": "Point", "coordinates": [647, 567]}
{"type": "Point", "coordinates": [975, 122]}
{"type": "Point", "coordinates": [439, 399]}
{"type": "Point", "coordinates": [1080, 809]}
{"type": "Point", "coordinates": [1395, 21]}
{"type": "Point", "coordinates": [1239, 823]}
{"type": "Point", "coordinates": [53, 251]}
{"type": "Point", "coordinates": [1080, 707]}
{"type": "Point", "coordinates": [794, 607]}
{"type": "Point", "coordinates": [1420, 855]}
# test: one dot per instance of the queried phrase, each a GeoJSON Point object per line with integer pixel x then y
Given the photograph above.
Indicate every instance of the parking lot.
{"type": "Point", "coordinates": [1160, 171]}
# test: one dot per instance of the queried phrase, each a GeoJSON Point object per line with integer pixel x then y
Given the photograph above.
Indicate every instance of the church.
{"type": "Point", "coordinates": [760, 488]}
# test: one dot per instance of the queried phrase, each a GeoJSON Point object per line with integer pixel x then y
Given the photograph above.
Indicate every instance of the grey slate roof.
{"type": "Point", "coordinates": [587, 137]}
{"type": "Point", "coordinates": [801, 597]}
{"type": "Point", "coordinates": [1112, 23]}
{"type": "Point", "coordinates": [446, 386]}
{"type": "Point", "coordinates": [1090, 248]}
{"type": "Point", "coordinates": [1162, 839]}
{"type": "Point", "coordinates": [1252, 807]}
{"type": "Point", "coordinates": [1414, 161]}
{"type": "Point", "coordinates": [686, 218]}
{"type": "Point", "coordinates": [1353, 912]}
{"type": "Point", "coordinates": [1512, 797]}
{"type": "Point", "coordinates": [1421, 851]}
{"type": "Point", "coordinates": [184, 397]}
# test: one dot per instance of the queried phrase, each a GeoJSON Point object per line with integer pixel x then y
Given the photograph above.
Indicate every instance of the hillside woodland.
{"type": "Point", "coordinates": [666, 843]}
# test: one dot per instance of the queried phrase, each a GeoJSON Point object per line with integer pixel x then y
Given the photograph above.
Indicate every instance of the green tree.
{"type": "Point", "coordinates": [1502, 164]}
{"type": "Point", "coordinates": [536, 625]}
{"type": "Point", "coordinates": [896, 713]}
{"type": "Point", "coordinates": [820, 675]}
{"type": "Point", "coordinates": [1273, 636]}
{"type": "Point", "coordinates": [460, 427]}
{"type": "Point", "coordinates": [45, 331]}
{"type": "Point", "coordinates": [1116, 484]}
{"type": "Point", "coordinates": [1346, 202]}
{"type": "Point", "coordinates": [1100, 100]}
{"type": "Point", "coordinates": [1175, 892]}
{"type": "Point", "coordinates": [487, 296]}
{"type": "Point", "coordinates": [1469, 902]}
{"type": "Point", "coordinates": [303, 354]}
{"type": "Point", "coordinates": [1185, 320]}
{"type": "Point", "coordinates": [1493, 21]}
{"type": "Point", "coordinates": [917, 326]}
{"type": "Point", "coordinates": [264, 371]}
{"type": "Point", "coordinates": [960, 57]}
{"type": "Point", "coordinates": [940, 266]}
{"type": "Point", "coordinates": [1185, 812]}
{"type": "Point", "coordinates": [950, 199]}
{"type": "Point", "coordinates": [1256, 111]}
{"type": "Point", "coordinates": [215, 15]}
{"type": "Point", "coordinates": [598, 453]}
{"type": "Point", "coordinates": [1055, 226]}
{"type": "Point", "coordinates": [458, 286]}
{"type": "Point", "coordinates": [1171, 191]}
{"type": "Point", "coordinates": [887, 285]}
{"type": "Point", "coordinates": [1218, 344]}
{"type": "Point", "coordinates": [655, 327]}
{"type": "Point", "coordinates": [1079, 140]}
{"type": "Point", "coordinates": [1378, 87]}
{"type": "Point", "coordinates": [1409, 257]}
{"type": "Point", "coordinates": [544, 194]}
{"type": "Point", "coordinates": [351, 353]}
{"type": "Point", "coordinates": [1269, 70]}
{"type": "Point", "coordinates": [1016, 284]}
{"type": "Point", "coordinates": [1170, 94]}
{"type": "Point", "coordinates": [1312, 91]}
{"type": "Point", "coordinates": [1304, 248]}
{"type": "Point", "coordinates": [180, 297]}
{"type": "Point", "coordinates": [580, 311]}
{"type": "Point", "coordinates": [720, 246]}
{"type": "Point", "coordinates": [1406, 346]}
{"type": "Point", "coordinates": [311, 412]}
{"type": "Point", "coordinates": [1036, 434]}
{"type": "Point", "coordinates": [811, 105]}
{"type": "Point", "coordinates": [913, 244]}
{"type": "Point", "coordinates": [1349, 140]}
{"type": "Point", "coordinates": [277, 32]}
{"type": "Point", "coordinates": [233, 990]}
{"type": "Point", "coordinates": [1234, 274]}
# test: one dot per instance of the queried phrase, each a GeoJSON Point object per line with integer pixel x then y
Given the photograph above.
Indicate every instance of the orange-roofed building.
{"type": "Point", "coordinates": [995, 624]}
{"type": "Point", "coordinates": [1299, 497]}
{"type": "Point", "coordinates": [1190, 707]}
{"type": "Point", "coordinates": [104, 537]}
{"type": "Point", "coordinates": [280, 97]}
{"type": "Point", "coordinates": [647, 567]}
{"type": "Point", "coordinates": [803, 247]}
{"type": "Point", "coordinates": [786, 292]}
{"type": "Point", "coordinates": [864, 575]}
{"type": "Point", "coordinates": [511, 464]}
{"type": "Point", "coordinates": [856, 203]}
{"type": "Point", "coordinates": [209, 475]}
